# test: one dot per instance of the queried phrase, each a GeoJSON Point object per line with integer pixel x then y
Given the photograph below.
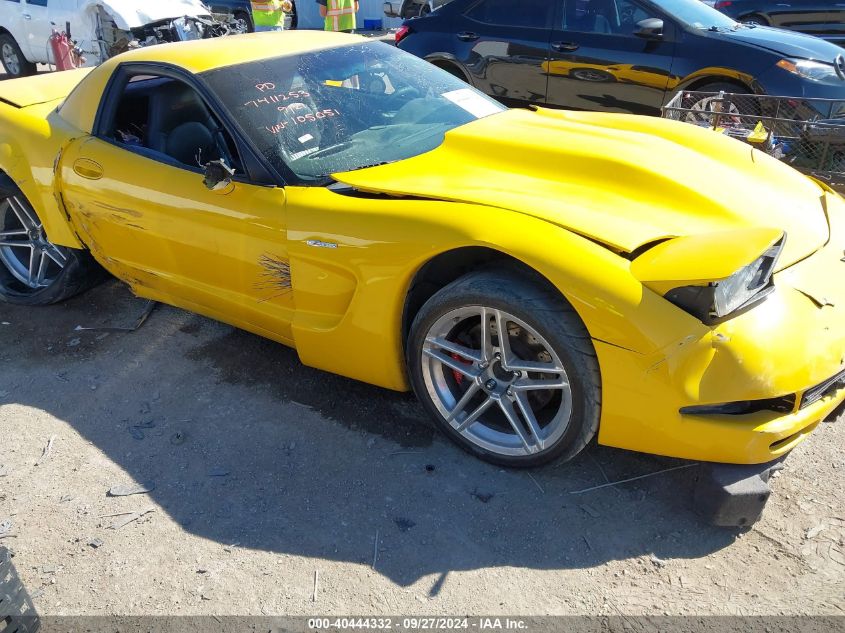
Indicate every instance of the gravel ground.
{"type": "Point", "coordinates": [267, 473]}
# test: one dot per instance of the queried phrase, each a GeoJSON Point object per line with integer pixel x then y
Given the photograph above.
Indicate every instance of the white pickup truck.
{"type": "Point", "coordinates": [101, 28]}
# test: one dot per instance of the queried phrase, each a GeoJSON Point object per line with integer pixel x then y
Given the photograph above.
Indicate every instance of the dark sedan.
{"type": "Point", "coordinates": [618, 55]}
{"type": "Point", "coordinates": [822, 18]}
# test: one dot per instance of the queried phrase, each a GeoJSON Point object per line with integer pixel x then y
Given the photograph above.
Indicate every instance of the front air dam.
{"type": "Point", "coordinates": [731, 495]}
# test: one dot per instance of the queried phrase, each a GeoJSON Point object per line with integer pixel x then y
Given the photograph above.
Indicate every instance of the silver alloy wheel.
{"type": "Point", "coordinates": [11, 60]}
{"type": "Point", "coordinates": [705, 108]}
{"type": "Point", "coordinates": [507, 394]}
{"type": "Point", "coordinates": [25, 250]}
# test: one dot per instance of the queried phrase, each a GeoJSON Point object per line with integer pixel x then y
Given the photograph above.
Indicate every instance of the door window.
{"type": "Point", "coordinates": [526, 14]}
{"type": "Point", "coordinates": [612, 17]}
{"type": "Point", "coordinates": [167, 120]}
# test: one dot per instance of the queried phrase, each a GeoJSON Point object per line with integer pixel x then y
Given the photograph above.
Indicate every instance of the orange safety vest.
{"type": "Point", "coordinates": [340, 15]}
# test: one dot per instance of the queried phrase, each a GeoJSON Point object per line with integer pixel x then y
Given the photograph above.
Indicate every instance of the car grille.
{"type": "Point", "coordinates": [824, 389]}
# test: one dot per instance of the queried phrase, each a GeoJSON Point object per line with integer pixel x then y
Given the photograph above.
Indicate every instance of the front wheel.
{"type": "Point", "coordinates": [13, 60]}
{"type": "Point", "coordinates": [733, 111]}
{"type": "Point", "coordinates": [506, 369]}
{"type": "Point", "coordinates": [33, 270]}
{"type": "Point", "coordinates": [243, 22]}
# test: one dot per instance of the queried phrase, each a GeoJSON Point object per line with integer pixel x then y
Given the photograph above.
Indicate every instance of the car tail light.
{"type": "Point", "coordinates": [721, 4]}
{"type": "Point", "coordinates": [402, 32]}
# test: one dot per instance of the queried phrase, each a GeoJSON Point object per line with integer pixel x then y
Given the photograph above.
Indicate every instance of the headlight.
{"type": "Point", "coordinates": [815, 71]}
{"type": "Point", "coordinates": [719, 299]}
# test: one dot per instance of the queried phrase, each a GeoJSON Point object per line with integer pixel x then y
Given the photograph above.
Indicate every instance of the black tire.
{"type": "Point", "coordinates": [723, 86]}
{"type": "Point", "coordinates": [545, 311]}
{"type": "Point", "coordinates": [453, 70]}
{"type": "Point", "coordinates": [24, 67]}
{"type": "Point", "coordinates": [759, 20]}
{"type": "Point", "coordinates": [79, 272]}
{"type": "Point", "coordinates": [247, 19]}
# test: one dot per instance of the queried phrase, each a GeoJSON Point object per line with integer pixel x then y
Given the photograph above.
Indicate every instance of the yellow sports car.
{"type": "Point", "coordinates": [539, 278]}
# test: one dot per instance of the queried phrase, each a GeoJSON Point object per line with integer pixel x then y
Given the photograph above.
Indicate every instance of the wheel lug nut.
{"type": "Point", "coordinates": [490, 384]}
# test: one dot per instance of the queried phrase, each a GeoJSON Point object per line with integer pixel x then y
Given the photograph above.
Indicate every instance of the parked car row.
{"type": "Point", "coordinates": [104, 29]}
{"type": "Point", "coordinates": [618, 55]}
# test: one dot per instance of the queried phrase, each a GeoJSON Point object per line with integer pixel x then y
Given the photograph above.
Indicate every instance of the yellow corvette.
{"type": "Point", "coordinates": [539, 278]}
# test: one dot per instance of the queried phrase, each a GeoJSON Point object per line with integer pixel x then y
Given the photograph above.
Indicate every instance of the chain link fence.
{"type": "Point", "coordinates": [808, 134]}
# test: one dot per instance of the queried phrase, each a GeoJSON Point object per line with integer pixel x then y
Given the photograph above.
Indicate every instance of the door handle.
{"type": "Point", "coordinates": [468, 36]}
{"type": "Point", "coordinates": [27, 16]}
{"type": "Point", "coordinates": [565, 47]}
{"type": "Point", "coordinates": [88, 169]}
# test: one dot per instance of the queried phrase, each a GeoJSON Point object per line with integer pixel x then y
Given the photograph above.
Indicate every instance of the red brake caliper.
{"type": "Point", "coordinates": [459, 377]}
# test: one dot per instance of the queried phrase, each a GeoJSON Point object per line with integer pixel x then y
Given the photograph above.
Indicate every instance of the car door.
{"type": "Point", "coordinates": [135, 193]}
{"type": "Point", "coordinates": [598, 62]}
{"type": "Point", "coordinates": [504, 47]}
{"type": "Point", "coordinates": [11, 19]}
{"type": "Point", "coordinates": [36, 24]}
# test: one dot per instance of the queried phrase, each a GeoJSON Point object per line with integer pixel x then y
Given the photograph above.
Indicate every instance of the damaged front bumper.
{"type": "Point", "coordinates": [752, 388]}
{"type": "Point", "coordinates": [113, 40]}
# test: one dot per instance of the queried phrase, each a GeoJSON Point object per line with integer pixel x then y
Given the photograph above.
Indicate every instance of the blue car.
{"type": "Point", "coordinates": [618, 55]}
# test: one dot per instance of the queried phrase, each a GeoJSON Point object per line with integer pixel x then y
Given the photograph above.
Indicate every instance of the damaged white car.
{"type": "Point", "coordinates": [96, 29]}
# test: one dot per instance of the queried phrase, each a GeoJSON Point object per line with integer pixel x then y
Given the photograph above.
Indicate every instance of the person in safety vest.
{"type": "Point", "coordinates": [269, 15]}
{"type": "Point", "coordinates": [339, 14]}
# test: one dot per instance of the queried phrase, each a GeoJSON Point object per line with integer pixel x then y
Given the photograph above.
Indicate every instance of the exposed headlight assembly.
{"type": "Point", "coordinates": [815, 71]}
{"type": "Point", "coordinates": [719, 299]}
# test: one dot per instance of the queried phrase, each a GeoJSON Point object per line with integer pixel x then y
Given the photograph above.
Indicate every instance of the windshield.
{"type": "Point", "coordinates": [696, 14]}
{"type": "Point", "coordinates": [345, 108]}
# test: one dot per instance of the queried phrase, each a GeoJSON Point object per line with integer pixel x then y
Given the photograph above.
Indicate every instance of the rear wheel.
{"type": "Point", "coordinates": [757, 20]}
{"type": "Point", "coordinates": [33, 270]}
{"type": "Point", "coordinates": [506, 369]}
{"type": "Point", "coordinates": [13, 59]}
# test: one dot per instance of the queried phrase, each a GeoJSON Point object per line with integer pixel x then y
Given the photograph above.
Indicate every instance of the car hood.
{"type": "Point", "coordinates": [787, 43]}
{"type": "Point", "coordinates": [625, 181]}
{"type": "Point", "coordinates": [130, 14]}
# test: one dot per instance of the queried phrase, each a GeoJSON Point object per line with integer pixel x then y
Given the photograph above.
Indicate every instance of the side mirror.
{"type": "Point", "coordinates": [218, 175]}
{"type": "Point", "coordinates": [650, 29]}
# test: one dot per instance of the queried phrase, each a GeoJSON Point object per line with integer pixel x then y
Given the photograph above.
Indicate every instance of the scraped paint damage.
{"type": "Point", "coordinates": [275, 276]}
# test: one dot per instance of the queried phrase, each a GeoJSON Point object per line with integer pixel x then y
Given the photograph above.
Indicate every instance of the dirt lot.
{"type": "Point", "coordinates": [266, 472]}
